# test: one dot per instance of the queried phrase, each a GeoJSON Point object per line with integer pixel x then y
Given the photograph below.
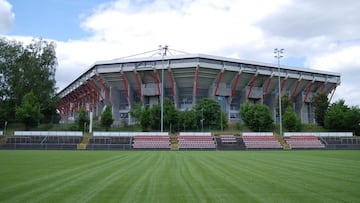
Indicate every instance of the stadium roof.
{"type": "Point", "coordinates": [215, 59]}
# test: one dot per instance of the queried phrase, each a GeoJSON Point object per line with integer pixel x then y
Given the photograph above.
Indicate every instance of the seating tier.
{"type": "Point", "coordinates": [304, 142]}
{"type": "Point", "coordinates": [261, 141]}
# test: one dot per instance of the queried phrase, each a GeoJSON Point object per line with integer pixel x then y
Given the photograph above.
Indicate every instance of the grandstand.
{"type": "Point", "coordinates": [110, 141]}
{"type": "Point", "coordinates": [43, 140]}
{"type": "Point", "coordinates": [196, 140]}
{"type": "Point", "coordinates": [121, 83]}
{"type": "Point", "coordinates": [327, 140]}
{"type": "Point", "coordinates": [261, 140]}
{"type": "Point", "coordinates": [304, 142]}
{"type": "Point", "coordinates": [182, 141]}
{"type": "Point", "coordinates": [151, 140]}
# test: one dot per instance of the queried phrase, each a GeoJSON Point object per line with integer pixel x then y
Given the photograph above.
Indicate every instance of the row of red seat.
{"type": "Point", "coordinates": [261, 142]}
{"type": "Point", "coordinates": [304, 142]}
{"type": "Point", "coordinates": [196, 142]}
{"type": "Point", "coordinates": [151, 142]}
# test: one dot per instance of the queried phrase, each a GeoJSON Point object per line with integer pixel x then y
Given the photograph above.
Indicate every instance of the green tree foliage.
{"type": "Point", "coordinates": [155, 117]}
{"type": "Point", "coordinates": [82, 120]}
{"type": "Point", "coordinates": [29, 111]}
{"type": "Point", "coordinates": [171, 115]}
{"type": "Point", "coordinates": [257, 116]}
{"type": "Point", "coordinates": [137, 111]}
{"type": "Point", "coordinates": [145, 118]}
{"type": "Point", "coordinates": [106, 118]}
{"type": "Point", "coordinates": [340, 117]}
{"type": "Point", "coordinates": [24, 69]}
{"type": "Point", "coordinates": [187, 120]}
{"type": "Point", "coordinates": [285, 103]}
{"type": "Point", "coordinates": [209, 111]}
{"type": "Point", "coordinates": [321, 105]}
{"type": "Point", "coordinates": [246, 113]}
{"type": "Point", "coordinates": [291, 120]}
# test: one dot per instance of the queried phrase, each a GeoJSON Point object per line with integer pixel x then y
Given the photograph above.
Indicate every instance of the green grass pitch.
{"type": "Point", "coordinates": [180, 176]}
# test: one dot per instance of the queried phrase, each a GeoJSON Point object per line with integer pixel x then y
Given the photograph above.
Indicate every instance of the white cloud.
{"type": "Point", "coordinates": [323, 34]}
{"type": "Point", "coordinates": [6, 16]}
{"type": "Point", "coordinates": [123, 28]}
{"type": "Point", "coordinates": [345, 61]}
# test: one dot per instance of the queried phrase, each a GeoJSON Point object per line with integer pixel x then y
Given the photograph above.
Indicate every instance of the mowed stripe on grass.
{"type": "Point", "coordinates": [179, 176]}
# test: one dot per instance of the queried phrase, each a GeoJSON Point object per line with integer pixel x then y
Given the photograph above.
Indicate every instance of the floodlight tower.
{"type": "Point", "coordinates": [279, 54]}
{"type": "Point", "coordinates": [163, 50]}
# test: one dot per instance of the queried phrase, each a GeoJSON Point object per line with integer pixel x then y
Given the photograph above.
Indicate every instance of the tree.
{"type": "Point", "coordinates": [171, 115]}
{"type": "Point", "coordinates": [82, 120]}
{"type": "Point", "coordinates": [335, 116]}
{"type": "Point", "coordinates": [352, 119]}
{"type": "Point", "coordinates": [285, 103]}
{"type": "Point", "coordinates": [246, 113]}
{"type": "Point", "coordinates": [340, 117]}
{"type": "Point", "coordinates": [256, 116]}
{"type": "Point", "coordinates": [155, 117]}
{"type": "Point", "coordinates": [145, 118]}
{"type": "Point", "coordinates": [291, 120]}
{"type": "Point", "coordinates": [29, 111]}
{"type": "Point", "coordinates": [136, 111]}
{"type": "Point", "coordinates": [24, 69]}
{"type": "Point", "coordinates": [106, 118]}
{"type": "Point", "coordinates": [187, 120]}
{"type": "Point", "coordinates": [321, 105]}
{"type": "Point", "coordinates": [209, 111]}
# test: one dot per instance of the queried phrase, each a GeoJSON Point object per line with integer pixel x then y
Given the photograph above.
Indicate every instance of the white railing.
{"type": "Point", "coordinates": [129, 134]}
{"type": "Point", "coordinates": [195, 134]}
{"type": "Point", "coordinates": [257, 134]}
{"type": "Point", "coordinates": [48, 133]}
{"type": "Point", "coordinates": [319, 134]}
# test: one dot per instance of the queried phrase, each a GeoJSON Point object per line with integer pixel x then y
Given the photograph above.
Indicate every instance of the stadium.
{"type": "Point", "coordinates": [75, 166]}
{"type": "Point", "coordinates": [121, 83]}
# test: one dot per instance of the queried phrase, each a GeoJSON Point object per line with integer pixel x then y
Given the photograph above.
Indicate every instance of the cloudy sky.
{"type": "Point", "coordinates": [316, 34]}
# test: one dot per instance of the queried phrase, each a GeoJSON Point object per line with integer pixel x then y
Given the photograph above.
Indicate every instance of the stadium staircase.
{"type": "Point", "coordinates": [174, 142]}
{"type": "Point", "coordinates": [3, 140]}
{"type": "Point", "coordinates": [84, 142]}
{"type": "Point", "coordinates": [282, 141]}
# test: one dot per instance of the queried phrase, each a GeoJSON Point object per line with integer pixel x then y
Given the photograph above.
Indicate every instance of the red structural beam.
{"type": "Point", "coordinates": [308, 91]}
{"type": "Point", "coordinates": [252, 83]}
{"type": "Point", "coordinates": [96, 88]}
{"type": "Point", "coordinates": [282, 87]}
{"type": "Point", "coordinates": [138, 83]}
{"type": "Point", "coordinates": [107, 93]}
{"type": "Point", "coordinates": [332, 94]}
{"type": "Point", "coordinates": [95, 99]}
{"type": "Point", "coordinates": [218, 82]}
{"type": "Point", "coordinates": [322, 90]}
{"type": "Point", "coordinates": [157, 81]}
{"type": "Point", "coordinates": [268, 82]}
{"type": "Point", "coordinates": [283, 84]}
{"type": "Point", "coordinates": [235, 85]}
{"type": "Point", "coordinates": [196, 80]}
{"type": "Point", "coordinates": [172, 83]}
{"type": "Point", "coordinates": [125, 84]}
{"type": "Point", "coordinates": [294, 91]}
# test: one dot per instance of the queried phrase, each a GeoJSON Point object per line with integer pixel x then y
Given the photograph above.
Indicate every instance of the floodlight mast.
{"type": "Point", "coordinates": [279, 54]}
{"type": "Point", "coordinates": [163, 50]}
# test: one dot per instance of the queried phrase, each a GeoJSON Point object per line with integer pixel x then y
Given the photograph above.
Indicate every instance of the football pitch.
{"type": "Point", "coordinates": [180, 176]}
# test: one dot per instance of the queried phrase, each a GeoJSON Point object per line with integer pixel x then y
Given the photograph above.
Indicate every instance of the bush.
{"type": "Point", "coordinates": [291, 120]}
{"type": "Point", "coordinates": [257, 117]}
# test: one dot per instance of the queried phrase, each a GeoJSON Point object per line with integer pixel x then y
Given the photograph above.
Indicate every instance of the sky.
{"type": "Point", "coordinates": [316, 34]}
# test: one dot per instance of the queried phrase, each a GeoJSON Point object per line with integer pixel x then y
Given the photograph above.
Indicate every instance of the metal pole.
{"type": "Point", "coordinates": [164, 49]}
{"type": "Point", "coordinates": [278, 54]}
